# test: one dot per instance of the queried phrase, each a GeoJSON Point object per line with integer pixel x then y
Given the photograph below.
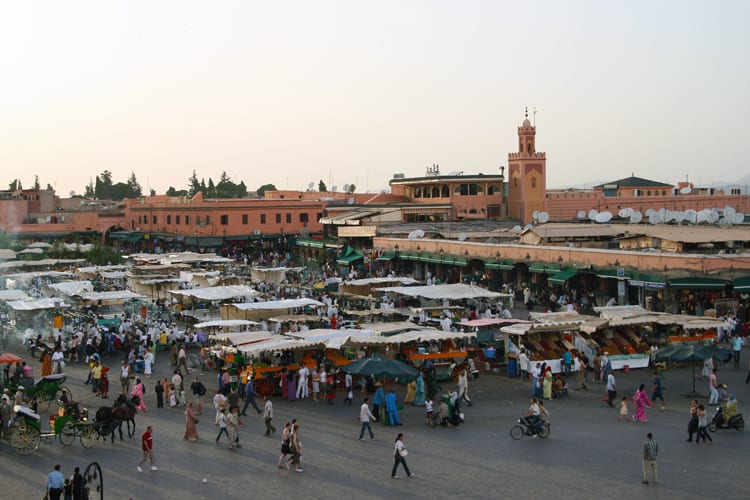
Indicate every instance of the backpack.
{"type": "Point", "coordinates": [201, 389]}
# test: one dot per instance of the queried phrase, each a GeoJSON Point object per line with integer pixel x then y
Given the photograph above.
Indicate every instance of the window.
{"type": "Point", "coordinates": [319, 216]}
{"type": "Point", "coordinates": [446, 191]}
{"type": "Point", "coordinates": [169, 219]}
{"type": "Point", "coordinates": [208, 219]}
{"type": "Point", "coordinates": [288, 218]}
{"type": "Point", "coordinates": [139, 219]}
{"type": "Point", "coordinates": [187, 220]}
{"type": "Point", "coordinates": [244, 219]}
{"type": "Point", "coordinates": [435, 192]}
{"type": "Point", "coordinates": [177, 219]}
{"type": "Point", "coordinates": [224, 220]}
{"type": "Point", "coordinates": [648, 193]}
{"type": "Point", "coordinates": [426, 192]}
{"type": "Point", "coordinates": [153, 219]}
{"type": "Point", "coordinates": [262, 218]}
{"type": "Point", "coordinates": [495, 189]}
{"type": "Point", "coordinates": [197, 220]}
{"type": "Point", "coordinates": [417, 192]}
{"type": "Point", "coordinates": [304, 217]}
{"type": "Point", "coordinates": [533, 182]}
{"type": "Point", "coordinates": [278, 218]}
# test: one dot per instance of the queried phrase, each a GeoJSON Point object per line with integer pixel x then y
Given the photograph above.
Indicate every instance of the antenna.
{"type": "Point", "coordinates": [534, 117]}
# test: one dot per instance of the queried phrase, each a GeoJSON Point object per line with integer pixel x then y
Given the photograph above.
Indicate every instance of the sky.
{"type": "Point", "coordinates": [351, 92]}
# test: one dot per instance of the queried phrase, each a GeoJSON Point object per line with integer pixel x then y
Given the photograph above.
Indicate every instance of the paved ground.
{"type": "Point", "coordinates": [590, 454]}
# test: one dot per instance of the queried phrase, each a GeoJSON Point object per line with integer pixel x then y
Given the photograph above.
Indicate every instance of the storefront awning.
{"type": "Point", "coordinates": [349, 255]}
{"type": "Point", "coordinates": [645, 280]}
{"type": "Point", "coordinates": [698, 283]}
{"type": "Point", "coordinates": [741, 284]}
{"type": "Point", "coordinates": [561, 277]}
{"type": "Point", "coordinates": [502, 265]}
{"type": "Point", "coordinates": [310, 243]}
{"type": "Point", "coordinates": [386, 256]}
{"type": "Point", "coordinates": [543, 268]}
{"type": "Point", "coordinates": [615, 274]}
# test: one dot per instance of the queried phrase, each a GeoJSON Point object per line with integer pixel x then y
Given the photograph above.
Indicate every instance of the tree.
{"type": "Point", "coordinates": [88, 191]}
{"type": "Point", "coordinates": [194, 185]}
{"type": "Point", "coordinates": [265, 187]}
{"type": "Point", "coordinates": [242, 190]}
{"type": "Point", "coordinates": [36, 182]}
{"type": "Point", "coordinates": [134, 188]}
{"type": "Point", "coordinates": [352, 188]}
{"type": "Point", "coordinates": [152, 192]}
{"type": "Point", "coordinates": [211, 192]}
{"type": "Point", "coordinates": [322, 187]}
{"type": "Point", "coordinates": [173, 192]}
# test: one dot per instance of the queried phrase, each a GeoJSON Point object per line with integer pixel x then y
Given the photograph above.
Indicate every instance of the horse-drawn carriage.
{"type": "Point", "coordinates": [25, 433]}
{"type": "Point", "coordinates": [45, 390]}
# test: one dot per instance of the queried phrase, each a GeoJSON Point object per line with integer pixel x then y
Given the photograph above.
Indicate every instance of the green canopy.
{"type": "Point", "coordinates": [502, 265]}
{"type": "Point", "coordinates": [349, 255]}
{"type": "Point", "coordinates": [560, 277]}
{"type": "Point", "coordinates": [543, 268]}
{"type": "Point", "coordinates": [380, 367]}
{"type": "Point", "coordinates": [741, 284]}
{"type": "Point", "coordinates": [698, 283]}
{"type": "Point", "coordinates": [387, 256]}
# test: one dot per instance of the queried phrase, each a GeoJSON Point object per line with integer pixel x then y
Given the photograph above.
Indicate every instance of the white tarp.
{"type": "Point", "coordinates": [619, 312]}
{"type": "Point", "coordinates": [111, 275]}
{"type": "Point", "coordinates": [99, 269]}
{"type": "Point", "coordinates": [35, 305]}
{"type": "Point", "coordinates": [78, 247]}
{"type": "Point", "coordinates": [393, 327]}
{"type": "Point", "coordinates": [108, 296]}
{"type": "Point", "coordinates": [225, 323]}
{"type": "Point", "coordinates": [218, 292]}
{"type": "Point", "coordinates": [7, 254]}
{"type": "Point", "coordinates": [242, 338]}
{"type": "Point", "coordinates": [378, 281]}
{"type": "Point", "coordinates": [333, 339]}
{"type": "Point", "coordinates": [13, 295]}
{"type": "Point", "coordinates": [281, 344]}
{"type": "Point", "coordinates": [72, 287]}
{"type": "Point", "coordinates": [429, 335]}
{"type": "Point", "coordinates": [277, 304]}
{"type": "Point", "coordinates": [35, 251]}
{"type": "Point", "coordinates": [444, 292]}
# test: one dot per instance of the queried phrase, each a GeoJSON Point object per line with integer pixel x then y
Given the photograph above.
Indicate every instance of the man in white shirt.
{"type": "Point", "coordinates": [611, 389]}
{"type": "Point", "coordinates": [365, 415]}
{"type": "Point", "coordinates": [58, 361]}
{"type": "Point", "coordinates": [523, 361]}
{"type": "Point", "coordinates": [446, 323]}
{"type": "Point", "coordinates": [302, 390]}
{"type": "Point", "coordinates": [532, 414]}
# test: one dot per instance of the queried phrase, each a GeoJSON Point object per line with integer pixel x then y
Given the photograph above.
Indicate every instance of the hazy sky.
{"type": "Point", "coordinates": [352, 91]}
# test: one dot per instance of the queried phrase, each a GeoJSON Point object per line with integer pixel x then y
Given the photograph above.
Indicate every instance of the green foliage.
{"type": "Point", "coordinates": [105, 189]}
{"type": "Point", "coordinates": [352, 188]}
{"type": "Point", "coordinates": [99, 255]}
{"type": "Point", "coordinates": [265, 187]}
{"type": "Point", "coordinates": [173, 192]}
{"type": "Point", "coordinates": [322, 187]}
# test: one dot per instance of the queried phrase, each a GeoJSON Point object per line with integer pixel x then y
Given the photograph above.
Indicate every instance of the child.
{"type": "Point", "coordinates": [159, 389]}
{"type": "Point", "coordinates": [623, 409]}
{"type": "Point", "coordinates": [428, 410]}
{"type": "Point", "coordinates": [68, 490]}
{"type": "Point", "coordinates": [172, 396]}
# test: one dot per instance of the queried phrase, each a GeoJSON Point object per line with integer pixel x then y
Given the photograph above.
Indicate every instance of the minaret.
{"type": "Point", "coordinates": [527, 175]}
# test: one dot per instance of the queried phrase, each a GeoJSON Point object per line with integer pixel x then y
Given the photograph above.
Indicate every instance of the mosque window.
{"type": "Point", "coordinates": [533, 182]}
{"type": "Point", "coordinates": [446, 191]}
{"type": "Point", "coordinates": [435, 192]}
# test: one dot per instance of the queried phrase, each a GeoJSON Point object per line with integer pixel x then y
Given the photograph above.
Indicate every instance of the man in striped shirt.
{"type": "Point", "coordinates": [650, 451]}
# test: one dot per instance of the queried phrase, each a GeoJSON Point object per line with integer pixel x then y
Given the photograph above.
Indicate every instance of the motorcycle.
{"type": "Point", "coordinates": [737, 422]}
{"type": "Point", "coordinates": [523, 428]}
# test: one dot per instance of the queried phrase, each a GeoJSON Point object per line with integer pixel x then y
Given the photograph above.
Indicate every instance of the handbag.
{"type": "Point", "coordinates": [403, 452]}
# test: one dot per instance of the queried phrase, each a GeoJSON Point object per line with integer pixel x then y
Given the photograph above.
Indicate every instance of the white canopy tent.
{"type": "Point", "coordinates": [278, 344]}
{"type": "Point", "coordinates": [444, 292]}
{"type": "Point", "coordinates": [72, 288]}
{"type": "Point", "coordinates": [36, 305]}
{"type": "Point", "coordinates": [277, 304]}
{"type": "Point", "coordinates": [218, 293]}
{"type": "Point", "coordinates": [119, 296]}
{"type": "Point", "coordinates": [225, 323]}
{"type": "Point", "coordinates": [6, 295]}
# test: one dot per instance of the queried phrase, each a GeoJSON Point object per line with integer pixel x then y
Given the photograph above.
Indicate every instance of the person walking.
{"type": "Point", "coordinates": [147, 445]}
{"type": "Point", "coordinates": [582, 367]}
{"type": "Point", "coordinates": [650, 451]}
{"type": "Point", "coordinates": [714, 387]}
{"type": "Point", "coordinates": [55, 483]}
{"type": "Point", "coordinates": [693, 422]}
{"type": "Point", "coordinates": [182, 359]}
{"type": "Point", "coordinates": [222, 423]}
{"type": "Point", "coordinates": [391, 407]}
{"type": "Point", "coordinates": [399, 456]}
{"type": "Point", "coordinates": [125, 377]}
{"type": "Point", "coordinates": [295, 446]}
{"type": "Point", "coordinates": [656, 391]}
{"type": "Point", "coordinates": [365, 416]}
{"type": "Point", "coordinates": [703, 426]}
{"type": "Point", "coordinates": [611, 389]}
{"type": "Point", "coordinates": [736, 349]}
{"type": "Point", "coordinates": [77, 484]}
{"type": "Point", "coordinates": [191, 429]}
{"type": "Point", "coordinates": [268, 416]}
{"type": "Point", "coordinates": [285, 441]}
{"type": "Point", "coordinates": [198, 390]}
{"type": "Point", "coordinates": [641, 402]}
{"type": "Point", "coordinates": [250, 398]}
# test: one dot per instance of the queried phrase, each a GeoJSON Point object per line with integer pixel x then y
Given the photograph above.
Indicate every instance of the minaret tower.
{"type": "Point", "coordinates": [527, 175]}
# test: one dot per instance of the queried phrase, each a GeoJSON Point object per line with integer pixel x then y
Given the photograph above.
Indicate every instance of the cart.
{"type": "Point", "coordinates": [46, 389]}
{"type": "Point", "coordinates": [25, 433]}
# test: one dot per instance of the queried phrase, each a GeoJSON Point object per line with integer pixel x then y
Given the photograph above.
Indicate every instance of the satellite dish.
{"type": "Point", "coordinates": [625, 213]}
{"type": "Point", "coordinates": [517, 228]}
{"type": "Point", "coordinates": [649, 212]}
{"type": "Point", "coordinates": [592, 214]}
{"type": "Point", "coordinates": [581, 214]}
{"type": "Point", "coordinates": [729, 212]}
{"type": "Point", "coordinates": [686, 190]}
{"type": "Point", "coordinates": [739, 218]}
{"type": "Point", "coordinates": [527, 226]}
{"type": "Point", "coordinates": [461, 236]}
{"type": "Point", "coordinates": [535, 214]}
{"type": "Point", "coordinates": [603, 217]}
{"type": "Point", "coordinates": [310, 186]}
{"type": "Point", "coordinates": [713, 216]}
{"type": "Point", "coordinates": [701, 217]}
{"type": "Point", "coordinates": [72, 194]}
{"type": "Point", "coordinates": [543, 217]}
{"type": "Point", "coordinates": [653, 218]}
{"type": "Point", "coordinates": [351, 201]}
{"type": "Point", "coordinates": [662, 214]}
{"type": "Point", "coordinates": [669, 215]}
{"type": "Point", "coordinates": [636, 217]}
{"type": "Point", "coordinates": [416, 234]}
{"type": "Point", "coordinates": [334, 188]}
{"type": "Point", "coordinates": [346, 188]}
{"type": "Point", "coordinates": [679, 217]}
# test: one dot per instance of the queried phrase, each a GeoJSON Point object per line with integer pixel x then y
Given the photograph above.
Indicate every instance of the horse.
{"type": "Point", "coordinates": [125, 410]}
{"type": "Point", "coordinates": [106, 423]}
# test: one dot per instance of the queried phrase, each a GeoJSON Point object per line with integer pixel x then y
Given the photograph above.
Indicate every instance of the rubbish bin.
{"type": "Point", "coordinates": [512, 368]}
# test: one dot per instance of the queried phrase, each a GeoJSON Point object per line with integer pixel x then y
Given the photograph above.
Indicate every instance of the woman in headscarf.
{"type": "Point", "coordinates": [191, 429]}
{"type": "Point", "coordinates": [420, 391]}
{"type": "Point", "coordinates": [46, 363]}
{"type": "Point", "coordinates": [641, 401]}
{"type": "Point", "coordinates": [138, 390]}
{"type": "Point", "coordinates": [291, 386]}
{"type": "Point", "coordinates": [411, 392]}
{"type": "Point", "coordinates": [547, 382]}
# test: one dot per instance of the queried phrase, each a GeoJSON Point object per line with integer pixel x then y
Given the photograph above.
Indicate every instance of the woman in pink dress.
{"type": "Point", "coordinates": [641, 401]}
{"type": "Point", "coordinates": [191, 430]}
{"type": "Point", "coordinates": [138, 391]}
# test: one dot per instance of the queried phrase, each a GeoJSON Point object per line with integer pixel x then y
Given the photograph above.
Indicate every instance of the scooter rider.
{"type": "Point", "coordinates": [532, 416]}
{"type": "Point", "coordinates": [731, 408]}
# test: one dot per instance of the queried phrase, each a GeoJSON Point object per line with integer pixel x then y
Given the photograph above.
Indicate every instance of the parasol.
{"type": "Point", "coordinates": [9, 358]}
{"type": "Point", "coordinates": [380, 367]}
{"type": "Point", "coordinates": [690, 353]}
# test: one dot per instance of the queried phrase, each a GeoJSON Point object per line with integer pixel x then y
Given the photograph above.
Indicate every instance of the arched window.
{"type": "Point", "coordinates": [533, 182]}
{"type": "Point", "coordinates": [446, 191]}
{"type": "Point", "coordinates": [493, 189]}
{"type": "Point", "coordinates": [417, 192]}
{"type": "Point", "coordinates": [515, 182]}
{"type": "Point", "coordinates": [528, 148]}
{"type": "Point", "coordinates": [435, 192]}
{"type": "Point", "coordinates": [664, 193]}
{"type": "Point", "coordinates": [648, 193]}
{"type": "Point", "coordinates": [426, 192]}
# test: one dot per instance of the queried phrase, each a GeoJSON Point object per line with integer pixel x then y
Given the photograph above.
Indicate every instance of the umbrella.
{"type": "Point", "coordinates": [9, 358]}
{"type": "Point", "coordinates": [380, 367]}
{"type": "Point", "coordinates": [691, 353]}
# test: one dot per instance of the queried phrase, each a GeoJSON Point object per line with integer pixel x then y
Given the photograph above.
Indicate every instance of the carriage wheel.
{"type": "Point", "coordinates": [88, 436]}
{"type": "Point", "coordinates": [67, 434]}
{"type": "Point", "coordinates": [92, 477]}
{"type": "Point", "coordinates": [25, 439]}
{"type": "Point", "coordinates": [42, 400]}
{"type": "Point", "coordinates": [264, 387]}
